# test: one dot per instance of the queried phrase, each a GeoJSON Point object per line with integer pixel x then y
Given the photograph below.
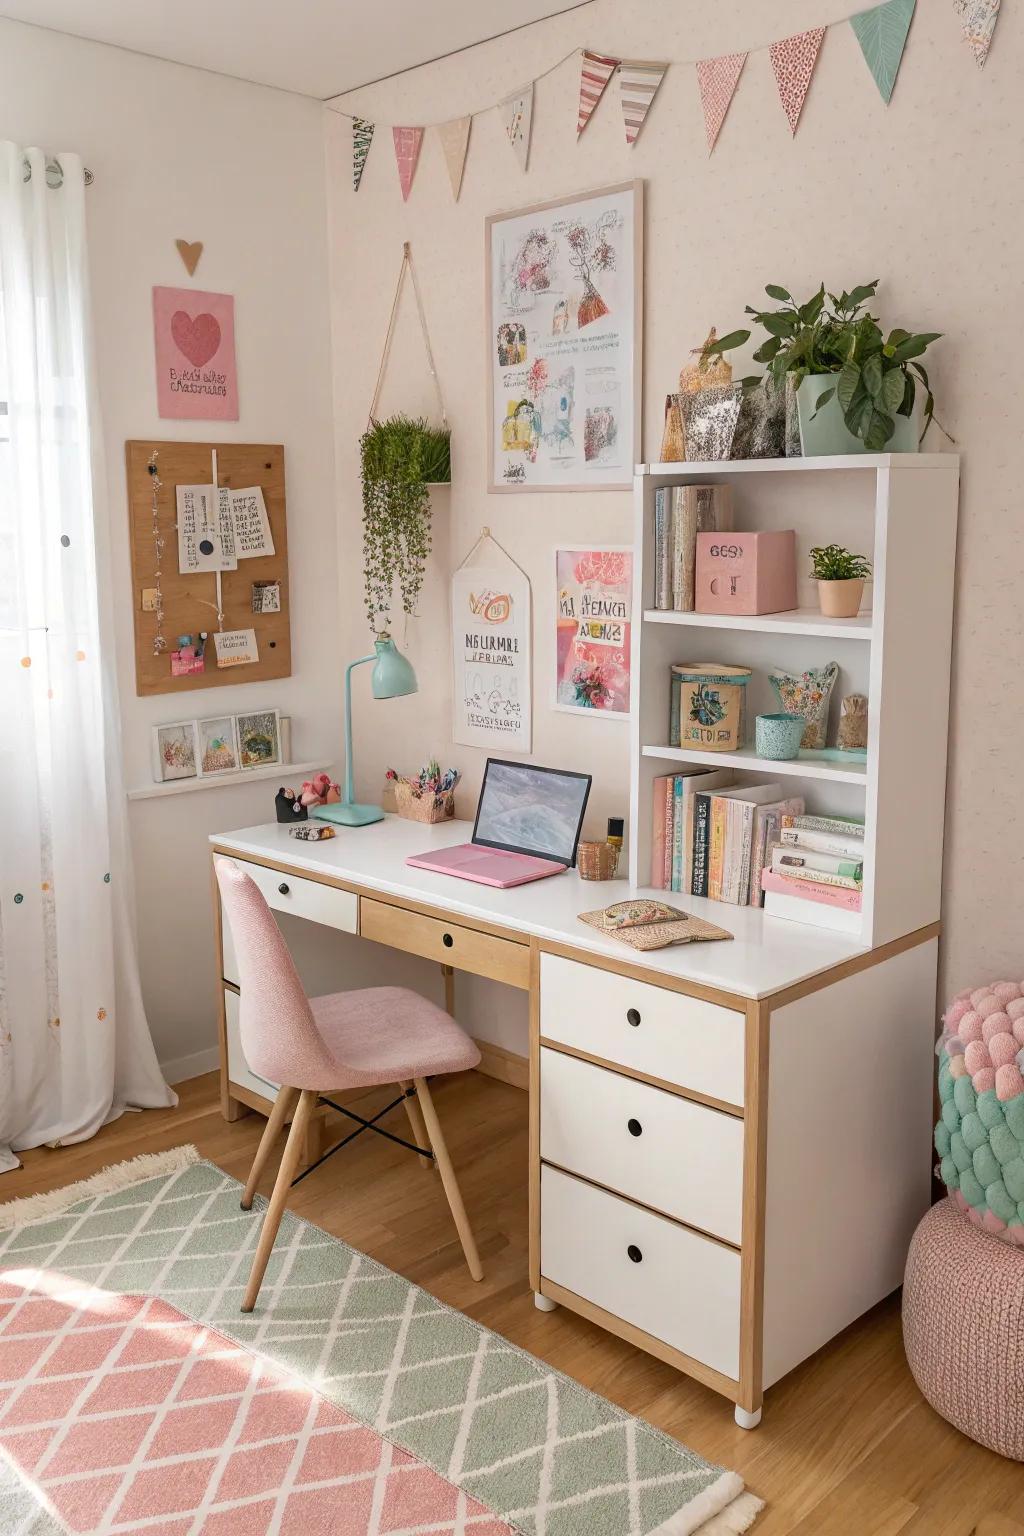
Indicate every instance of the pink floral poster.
{"type": "Point", "coordinates": [594, 624]}
{"type": "Point", "coordinates": [196, 378]}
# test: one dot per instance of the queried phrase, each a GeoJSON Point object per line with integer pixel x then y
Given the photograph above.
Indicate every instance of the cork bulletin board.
{"type": "Point", "coordinates": [187, 596]}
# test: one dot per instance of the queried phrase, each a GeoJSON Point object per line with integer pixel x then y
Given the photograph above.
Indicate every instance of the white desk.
{"type": "Point", "coordinates": [726, 1218]}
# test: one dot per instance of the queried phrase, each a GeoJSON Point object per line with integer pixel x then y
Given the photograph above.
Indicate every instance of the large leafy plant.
{"type": "Point", "coordinates": [400, 458]}
{"type": "Point", "coordinates": [878, 376]}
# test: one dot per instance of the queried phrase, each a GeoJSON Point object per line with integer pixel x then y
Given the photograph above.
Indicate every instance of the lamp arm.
{"type": "Point", "coordinates": [359, 662]}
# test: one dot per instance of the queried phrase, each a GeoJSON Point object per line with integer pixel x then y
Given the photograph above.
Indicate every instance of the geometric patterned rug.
{"type": "Point", "coordinates": [521, 1440]}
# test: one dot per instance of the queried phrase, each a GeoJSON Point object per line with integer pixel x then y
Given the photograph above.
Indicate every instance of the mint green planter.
{"type": "Point", "coordinates": [827, 432]}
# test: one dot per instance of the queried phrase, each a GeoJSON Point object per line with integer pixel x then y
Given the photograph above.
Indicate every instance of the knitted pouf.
{"type": "Point", "coordinates": [963, 1327]}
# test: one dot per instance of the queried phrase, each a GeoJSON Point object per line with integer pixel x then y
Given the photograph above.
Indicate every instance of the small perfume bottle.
{"type": "Point", "coordinates": [616, 826]}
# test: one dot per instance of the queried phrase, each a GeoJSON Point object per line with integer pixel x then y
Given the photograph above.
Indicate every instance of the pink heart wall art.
{"type": "Point", "coordinates": [196, 376]}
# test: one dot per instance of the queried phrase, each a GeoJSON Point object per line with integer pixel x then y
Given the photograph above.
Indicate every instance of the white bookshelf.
{"type": "Point", "coordinates": [901, 511]}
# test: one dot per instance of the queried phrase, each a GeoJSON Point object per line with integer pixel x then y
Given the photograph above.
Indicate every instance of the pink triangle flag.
{"type": "Point", "coordinates": [718, 79]}
{"type": "Point", "coordinates": [793, 60]}
{"type": "Point", "coordinates": [595, 72]}
{"type": "Point", "coordinates": [454, 138]}
{"type": "Point", "coordinates": [407, 153]}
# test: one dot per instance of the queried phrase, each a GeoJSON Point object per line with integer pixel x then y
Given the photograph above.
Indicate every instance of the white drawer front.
{"type": "Point", "coordinates": [682, 1288]}
{"type": "Point", "coordinates": [665, 1151]}
{"type": "Point", "coordinates": [238, 1067]}
{"type": "Point", "coordinates": [302, 898]}
{"type": "Point", "coordinates": [664, 1034]}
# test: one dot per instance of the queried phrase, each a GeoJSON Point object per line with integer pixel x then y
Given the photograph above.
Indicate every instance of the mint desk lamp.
{"type": "Point", "coordinates": [392, 678]}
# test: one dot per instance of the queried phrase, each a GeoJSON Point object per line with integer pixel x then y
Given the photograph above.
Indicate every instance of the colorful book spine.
{"type": "Point", "coordinates": [796, 856]}
{"type": "Point", "coordinates": [842, 826]}
{"type": "Point", "coordinates": [677, 832]}
{"type": "Point", "coordinates": [670, 812]}
{"type": "Point", "coordinates": [716, 848]}
{"type": "Point", "coordinates": [825, 895]}
{"type": "Point", "coordinates": [659, 792]}
{"type": "Point", "coordinates": [701, 835]}
{"type": "Point", "coordinates": [662, 549]}
{"type": "Point", "coordinates": [816, 877]}
{"type": "Point", "coordinates": [846, 845]}
{"type": "Point", "coordinates": [684, 549]}
{"type": "Point", "coordinates": [675, 706]}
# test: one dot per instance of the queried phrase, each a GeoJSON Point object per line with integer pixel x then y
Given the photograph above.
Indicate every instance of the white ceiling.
{"type": "Point", "coordinates": [317, 47]}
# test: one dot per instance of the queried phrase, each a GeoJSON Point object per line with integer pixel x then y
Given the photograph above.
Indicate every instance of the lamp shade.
{"type": "Point", "coordinates": [393, 675]}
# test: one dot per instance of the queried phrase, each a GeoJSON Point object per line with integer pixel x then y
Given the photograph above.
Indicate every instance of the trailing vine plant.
{"type": "Point", "coordinates": [400, 458]}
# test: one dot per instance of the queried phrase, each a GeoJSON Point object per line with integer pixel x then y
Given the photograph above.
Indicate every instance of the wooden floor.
{"type": "Point", "coordinates": [847, 1446]}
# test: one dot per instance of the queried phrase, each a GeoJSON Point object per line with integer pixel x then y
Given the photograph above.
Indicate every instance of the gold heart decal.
{"type": "Point", "coordinates": [190, 254]}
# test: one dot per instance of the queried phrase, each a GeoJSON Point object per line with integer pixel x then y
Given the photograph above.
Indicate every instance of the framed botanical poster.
{"type": "Point", "coordinates": [564, 340]}
{"type": "Point", "coordinates": [593, 633]}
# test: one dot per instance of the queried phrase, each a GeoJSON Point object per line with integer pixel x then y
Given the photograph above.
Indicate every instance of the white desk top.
{"type": "Point", "coordinates": [766, 955]}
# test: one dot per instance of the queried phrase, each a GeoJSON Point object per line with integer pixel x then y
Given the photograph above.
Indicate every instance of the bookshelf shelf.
{"type": "Point", "coordinates": [806, 766]}
{"type": "Point", "coordinates": [798, 621]}
{"type": "Point", "coordinates": [900, 510]}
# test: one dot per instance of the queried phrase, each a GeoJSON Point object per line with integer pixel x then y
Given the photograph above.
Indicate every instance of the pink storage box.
{"type": "Point", "coordinates": [746, 572]}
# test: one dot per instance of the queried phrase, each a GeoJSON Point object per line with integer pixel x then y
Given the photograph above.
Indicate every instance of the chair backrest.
{"type": "Point", "coordinates": [279, 1035]}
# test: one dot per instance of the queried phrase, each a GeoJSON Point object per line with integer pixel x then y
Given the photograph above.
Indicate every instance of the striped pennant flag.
{"type": "Point", "coordinates": [793, 60]}
{"type": "Point", "coordinates": [718, 79]}
{"type": "Point", "coordinates": [595, 72]}
{"type": "Point", "coordinates": [638, 85]}
{"type": "Point", "coordinates": [362, 134]}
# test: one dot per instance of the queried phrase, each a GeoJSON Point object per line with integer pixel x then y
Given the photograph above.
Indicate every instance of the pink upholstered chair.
{"type": "Point", "coordinates": [316, 1046]}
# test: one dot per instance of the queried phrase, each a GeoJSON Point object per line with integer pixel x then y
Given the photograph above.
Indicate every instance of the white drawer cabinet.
{"type": "Point", "coordinates": [238, 1068]}
{"type": "Point", "coordinates": [310, 899]}
{"type": "Point", "coordinates": [649, 1029]}
{"type": "Point", "coordinates": [679, 1157]}
{"type": "Point", "coordinates": [681, 1288]}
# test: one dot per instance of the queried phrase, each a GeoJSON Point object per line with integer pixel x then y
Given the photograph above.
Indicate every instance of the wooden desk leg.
{"type": "Point", "coordinates": [231, 1108]}
{"type": "Point", "coordinates": [448, 972]}
{"type": "Point", "coordinates": [755, 1148]}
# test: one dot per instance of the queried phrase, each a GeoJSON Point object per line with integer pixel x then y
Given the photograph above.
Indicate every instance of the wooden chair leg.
{"type": "Point", "coordinates": [275, 1210]}
{"type": "Point", "coordinates": [419, 1130]}
{"type": "Point", "coordinates": [448, 1179]}
{"type": "Point", "coordinates": [283, 1106]}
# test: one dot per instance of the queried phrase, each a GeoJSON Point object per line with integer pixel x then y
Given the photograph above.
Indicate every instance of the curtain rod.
{"type": "Point", "coordinates": [55, 173]}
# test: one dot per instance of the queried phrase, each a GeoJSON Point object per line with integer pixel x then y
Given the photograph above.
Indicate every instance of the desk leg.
{"type": "Point", "coordinates": [448, 972]}
{"type": "Point", "coordinates": [231, 1108]}
{"type": "Point", "coordinates": [544, 1303]}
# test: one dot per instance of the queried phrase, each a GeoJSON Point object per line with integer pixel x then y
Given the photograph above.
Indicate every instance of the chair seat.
{"type": "Point", "coordinates": [389, 1034]}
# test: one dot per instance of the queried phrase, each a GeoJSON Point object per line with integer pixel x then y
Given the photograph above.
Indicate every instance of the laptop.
{"type": "Point", "coordinates": [527, 827]}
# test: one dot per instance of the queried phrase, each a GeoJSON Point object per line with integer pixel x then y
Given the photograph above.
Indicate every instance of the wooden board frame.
{"type": "Point", "coordinates": [635, 186]}
{"type": "Point", "coordinates": [187, 597]}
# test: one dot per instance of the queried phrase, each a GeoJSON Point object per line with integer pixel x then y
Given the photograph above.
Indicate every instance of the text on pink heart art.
{"type": "Point", "coordinates": [197, 339]}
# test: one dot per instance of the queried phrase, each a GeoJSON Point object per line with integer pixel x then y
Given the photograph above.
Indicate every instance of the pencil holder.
{"type": "Point", "coordinates": [778, 736]}
{"type": "Point", "coordinates": [597, 861]}
{"type": "Point", "coordinates": [429, 808]}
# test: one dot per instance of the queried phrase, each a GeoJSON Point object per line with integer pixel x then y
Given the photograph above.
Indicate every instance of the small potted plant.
{"type": "Point", "coordinates": [401, 459]}
{"type": "Point", "coordinates": [840, 577]}
{"type": "Point", "coordinates": [857, 390]}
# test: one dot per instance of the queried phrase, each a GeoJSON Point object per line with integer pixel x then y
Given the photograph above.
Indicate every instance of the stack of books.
{"type": "Point", "coordinates": [680, 513]}
{"type": "Point", "coordinates": [816, 872]}
{"type": "Point", "coordinates": [711, 837]}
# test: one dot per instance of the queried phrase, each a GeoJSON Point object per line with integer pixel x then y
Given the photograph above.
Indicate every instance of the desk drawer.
{"type": "Point", "coordinates": [238, 1068]}
{"type": "Point", "coordinates": [667, 1152]}
{"type": "Point", "coordinates": [450, 944]}
{"type": "Point", "coordinates": [663, 1034]}
{"type": "Point", "coordinates": [682, 1288]}
{"type": "Point", "coordinates": [302, 898]}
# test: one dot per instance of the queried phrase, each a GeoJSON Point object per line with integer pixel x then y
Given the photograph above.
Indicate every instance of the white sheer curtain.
{"type": "Point", "coordinates": [75, 1048]}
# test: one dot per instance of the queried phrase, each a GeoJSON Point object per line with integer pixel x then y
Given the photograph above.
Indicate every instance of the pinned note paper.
{"type": "Point", "coordinates": [236, 647]}
{"type": "Point", "coordinates": [200, 543]}
{"type": "Point", "coordinates": [252, 526]}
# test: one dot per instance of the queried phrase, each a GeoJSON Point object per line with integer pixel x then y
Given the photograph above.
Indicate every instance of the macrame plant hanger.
{"type": "Point", "coordinates": [385, 355]}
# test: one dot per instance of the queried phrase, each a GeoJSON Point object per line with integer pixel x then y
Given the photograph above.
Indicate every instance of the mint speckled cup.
{"type": "Point", "coordinates": [778, 736]}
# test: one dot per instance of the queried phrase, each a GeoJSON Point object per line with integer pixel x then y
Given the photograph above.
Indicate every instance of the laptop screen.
{"type": "Point", "coordinates": [530, 810]}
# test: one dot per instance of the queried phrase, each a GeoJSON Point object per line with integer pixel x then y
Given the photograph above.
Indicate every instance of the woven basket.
{"type": "Point", "coordinates": [428, 808]}
{"type": "Point", "coordinates": [597, 861]}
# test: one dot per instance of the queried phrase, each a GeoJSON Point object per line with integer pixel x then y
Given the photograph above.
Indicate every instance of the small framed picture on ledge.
{"type": "Point", "coordinates": [259, 738]}
{"type": "Point", "coordinates": [174, 752]}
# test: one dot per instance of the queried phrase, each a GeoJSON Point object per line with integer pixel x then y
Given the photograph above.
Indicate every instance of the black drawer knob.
{"type": "Point", "coordinates": [633, 1017]}
{"type": "Point", "coordinates": [283, 888]}
{"type": "Point", "coordinates": [634, 1127]}
{"type": "Point", "coordinates": [447, 940]}
{"type": "Point", "coordinates": [634, 1253]}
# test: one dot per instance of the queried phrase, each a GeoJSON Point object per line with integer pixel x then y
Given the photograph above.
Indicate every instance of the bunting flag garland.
{"type": "Point", "coordinates": [718, 79]}
{"type": "Point", "coordinates": [362, 134]}
{"type": "Point", "coordinates": [638, 85]}
{"type": "Point", "coordinates": [454, 138]}
{"type": "Point", "coordinates": [793, 60]}
{"type": "Point", "coordinates": [595, 72]}
{"type": "Point", "coordinates": [517, 115]}
{"type": "Point", "coordinates": [979, 19]}
{"type": "Point", "coordinates": [407, 153]}
{"type": "Point", "coordinates": [882, 34]}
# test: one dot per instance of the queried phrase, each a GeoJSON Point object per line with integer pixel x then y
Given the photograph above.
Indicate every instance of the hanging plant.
{"type": "Point", "coordinates": [401, 458]}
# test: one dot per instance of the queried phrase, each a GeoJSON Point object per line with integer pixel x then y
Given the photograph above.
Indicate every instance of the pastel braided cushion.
{"type": "Point", "coordinates": [980, 1133]}
{"type": "Point", "coordinates": [963, 1328]}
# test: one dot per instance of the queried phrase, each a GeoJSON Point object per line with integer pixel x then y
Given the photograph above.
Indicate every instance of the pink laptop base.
{"type": "Point", "coordinates": [486, 866]}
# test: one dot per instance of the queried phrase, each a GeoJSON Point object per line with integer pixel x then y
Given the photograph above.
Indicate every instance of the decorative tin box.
{"type": "Point", "coordinates": [746, 572]}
